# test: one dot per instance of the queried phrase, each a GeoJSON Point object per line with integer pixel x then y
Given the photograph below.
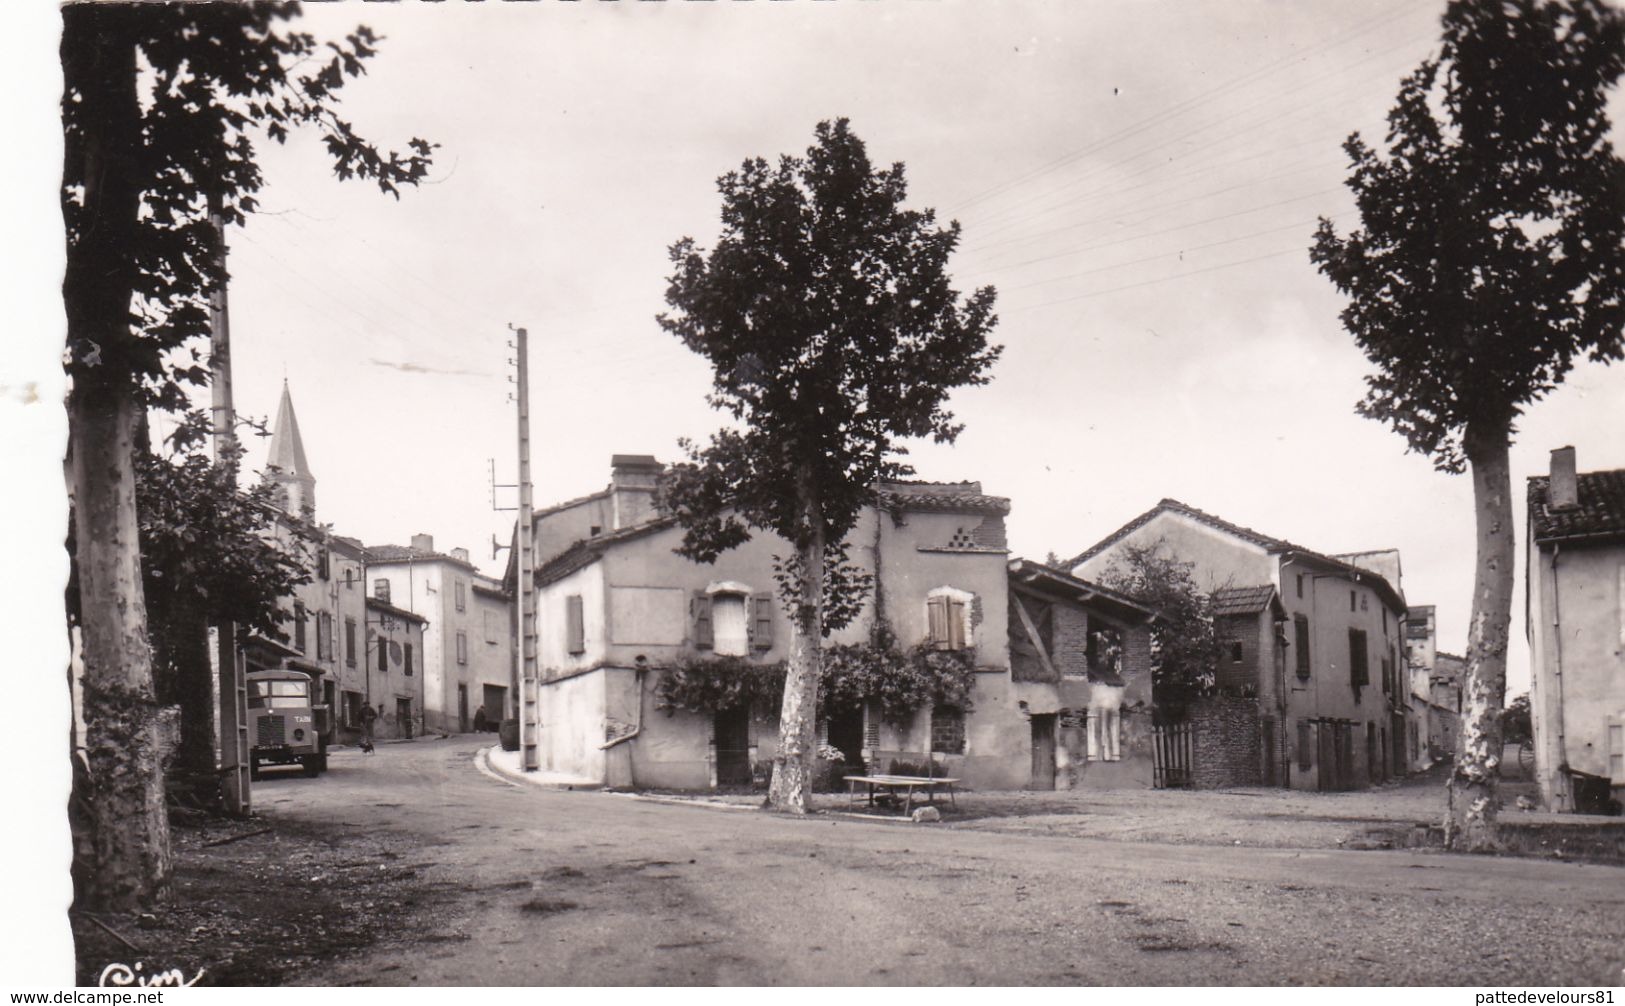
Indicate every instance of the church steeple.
{"type": "Point", "coordinates": [289, 469]}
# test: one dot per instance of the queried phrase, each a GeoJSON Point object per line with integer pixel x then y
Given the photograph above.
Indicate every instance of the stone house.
{"type": "Point", "coordinates": [1575, 579]}
{"type": "Point", "coordinates": [617, 608]}
{"type": "Point", "coordinates": [468, 639]}
{"type": "Point", "coordinates": [1312, 676]}
{"type": "Point", "coordinates": [394, 660]}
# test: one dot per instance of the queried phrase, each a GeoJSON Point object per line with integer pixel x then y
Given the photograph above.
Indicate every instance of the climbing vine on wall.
{"type": "Point", "coordinates": [878, 671]}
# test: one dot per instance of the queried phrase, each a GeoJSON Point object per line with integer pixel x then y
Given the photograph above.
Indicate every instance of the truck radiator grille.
{"type": "Point", "coordinates": [273, 731]}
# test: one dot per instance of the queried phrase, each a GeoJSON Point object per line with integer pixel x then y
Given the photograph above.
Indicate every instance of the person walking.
{"type": "Point", "coordinates": [479, 720]}
{"type": "Point", "coordinates": [369, 716]}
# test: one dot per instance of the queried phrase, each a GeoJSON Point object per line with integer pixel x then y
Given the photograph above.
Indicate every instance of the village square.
{"type": "Point", "coordinates": [815, 571]}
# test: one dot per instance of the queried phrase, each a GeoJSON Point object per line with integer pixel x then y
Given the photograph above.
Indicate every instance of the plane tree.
{"type": "Point", "coordinates": [162, 105]}
{"type": "Point", "coordinates": [1490, 256]}
{"type": "Point", "coordinates": [835, 335]}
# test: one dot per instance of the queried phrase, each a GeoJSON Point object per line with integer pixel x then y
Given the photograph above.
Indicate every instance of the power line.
{"type": "Point", "coordinates": [1153, 282]}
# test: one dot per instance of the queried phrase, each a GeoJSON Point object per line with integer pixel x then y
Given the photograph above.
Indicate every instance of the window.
{"type": "Point", "coordinates": [324, 564]}
{"type": "Point", "coordinates": [575, 625]}
{"type": "Point", "coordinates": [462, 647]}
{"type": "Point", "coordinates": [1236, 652]}
{"type": "Point", "coordinates": [762, 622]}
{"type": "Point", "coordinates": [947, 625]}
{"type": "Point", "coordinates": [349, 641]}
{"type": "Point", "coordinates": [947, 730]}
{"type": "Point", "coordinates": [1359, 673]}
{"type": "Point", "coordinates": [730, 631]}
{"type": "Point", "coordinates": [383, 654]}
{"type": "Point", "coordinates": [352, 709]}
{"type": "Point", "coordinates": [1354, 600]}
{"type": "Point", "coordinates": [407, 658]}
{"type": "Point", "coordinates": [1103, 650]}
{"type": "Point", "coordinates": [349, 577]}
{"type": "Point", "coordinates": [1306, 745]}
{"type": "Point", "coordinates": [1300, 632]}
{"type": "Point", "coordinates": [380, 590]}
{"type": "Point", "coordinates": [1300, 584]}
{"type": "Point", "coordinates": [459, 589]}
{"type": "Point", "coordinates": [595, 531]}
{"type": "Point", "coordinates": [299, 626]}
{"type": "Point", "coordinates": [324, 635]}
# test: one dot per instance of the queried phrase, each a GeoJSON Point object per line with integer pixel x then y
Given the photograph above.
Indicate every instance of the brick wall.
{"type": "Point", "coordinates": [1232, 675]}
{"type": "Point", "coordinates": [990, 532]}
{"type": "Point", "coordinates": [1069, 639]}
{"type": "Point", "coordinates": [1226, 747]}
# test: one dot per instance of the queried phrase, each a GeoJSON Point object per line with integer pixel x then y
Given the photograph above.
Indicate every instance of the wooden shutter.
{"type": "Point", "coordinates": [1359, 674]}
{"type": "Point", "coordinates": [383, 654]}
{"type": "Point", "coordinates": [701, 608]}
{"type": "Point", "coordinates": [762, 622]}
{"type": "Point", "coordinates": [575, 625]}
{"type": "Point", "coordinates": [956, 623]}
{"type": "Point", "coordinates": [1616, 749]}
{"type": "Point", "coordinates": [408, 658]}
{"type": "Point", "coordinates": [1306, 745]}
{"type": "Point", "coordinates": [1300, 630]}
{"type": "Point", "coordinates": [936, 622]}
{"type": "Point", "coordinates": [349, 641]}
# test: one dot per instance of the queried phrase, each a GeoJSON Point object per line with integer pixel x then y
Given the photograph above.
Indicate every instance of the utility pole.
{"type": "Point", "coordinates": [233, 687]}
{"type": "Point", "coordinates": [525, 596]}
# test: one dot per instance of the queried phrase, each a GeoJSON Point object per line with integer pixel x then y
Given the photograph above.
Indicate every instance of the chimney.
{"type": "Point", "coordinates": [632, 481]}
{"type": "Point", "coordinates": [423, 542]}
{"type": "Point", "coordinates": [460, 553]}
{"type": "Point", "coordinates": [1564, 491]}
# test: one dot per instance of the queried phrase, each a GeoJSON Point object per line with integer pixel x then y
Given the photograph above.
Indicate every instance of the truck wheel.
{"type": "Point", "coordinates": [321, 762]}
{"type": "Point", "coordinates": [312, 764]}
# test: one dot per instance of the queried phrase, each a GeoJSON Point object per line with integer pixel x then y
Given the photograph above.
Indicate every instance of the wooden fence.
{"type": "Point", "coordinates": [1171, 756]}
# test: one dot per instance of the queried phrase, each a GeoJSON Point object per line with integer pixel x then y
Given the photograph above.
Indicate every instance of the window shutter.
{"type": "Point", "coordinates": [701, 607]}
{"type": "Point", "coordinates": [762, 620]}
{"type": "Point", "coordinates": [936, 619]}
{"type": "Point", "coordinates": [1300, 629]}
{"type": "Point", "coordinates": [1359, 675]}
{"type": "Point", "coordinates": [1306, 745]}
{"type": "Point", "coordinates": [956, 623]}
{"type": "Point", "coordinates": [1616, 749]}
{"type": "Point", "coordinates": [408, 660]}
{"type": "Point", "coordinates": [575, 624]}
{"type": "Point", "coordinates": [383, 654]}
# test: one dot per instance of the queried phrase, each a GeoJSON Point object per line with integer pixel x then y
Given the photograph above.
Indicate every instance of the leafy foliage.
{"type": "Point", "coordinates": [852, 675]}
{"type": "Point", "coordinates": [1185, 650]}
{"type": "Point", "coordinates": [206, 546]}
{"type": "Point", "coordinates": [715, 684]}
{"type": "Point", "coordinates": [1489, 256]}
{"type": "Point", "coordinates": [833, 332]}
{"type": "Point", "coordinates": [1516, 725]}
{"type": "Point", "coordinates": [214, 75]}
{"type": "Point", "coordinates": [845, 586]}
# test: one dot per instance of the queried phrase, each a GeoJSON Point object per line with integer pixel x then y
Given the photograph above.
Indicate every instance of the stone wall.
{"type": "Point", "coordinates": [1226, 747]}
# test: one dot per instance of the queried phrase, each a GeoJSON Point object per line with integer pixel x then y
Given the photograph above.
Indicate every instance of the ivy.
{"type": "Point", "coordinates": [853, 674]}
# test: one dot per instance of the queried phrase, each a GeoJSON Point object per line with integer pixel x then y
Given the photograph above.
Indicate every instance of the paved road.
{"type": "Point", "coordinates": [587, 888]}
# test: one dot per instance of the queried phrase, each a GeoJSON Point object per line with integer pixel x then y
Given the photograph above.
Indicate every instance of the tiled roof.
{"type": "Point", "coordinates": [406, 553]}
{"type": "Point", "coordinates": [1242, 600]}
{"type": "Point", "coordinates": [387, 608]}
{"type": "Point", "coordinates": [1036, 573]}
{"type": "Point", "coordinates": [1267, 542]}
{"type": "Point", "coordinates": [1175, 506]}
{"type": "Point", "coordinates": [950, 497]}
{"type": "Point", "coordinates": [588, 550]}
{"type": "Point", "coordinates": [1601, 513]}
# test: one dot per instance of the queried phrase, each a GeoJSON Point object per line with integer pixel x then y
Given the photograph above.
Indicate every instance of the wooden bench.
{"type": "Point", "coordinates": [908, 784]}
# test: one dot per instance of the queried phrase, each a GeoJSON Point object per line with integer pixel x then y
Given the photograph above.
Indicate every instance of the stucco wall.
{"type": "Point", "coordinates": [1578, 678]}
{"type": "Point", "coordinates": [572, 725]}
{"type": "Point", "coordinates": [1221, 559]}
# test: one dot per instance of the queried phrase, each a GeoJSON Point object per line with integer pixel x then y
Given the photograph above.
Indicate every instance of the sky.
{"type": "Point", "coordinates": [1138, 180]}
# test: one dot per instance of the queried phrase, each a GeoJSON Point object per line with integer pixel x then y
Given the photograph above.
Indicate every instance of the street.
{"type": "Point", "coordinates": [591, 888]}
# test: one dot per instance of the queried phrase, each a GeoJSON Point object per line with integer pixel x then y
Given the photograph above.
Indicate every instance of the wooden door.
{"type": "Point", "coordinates": [403, 718]}
{"type": "Point", "coordinates": [732, 728]}
{"type": "Point", "coordinates": [1044, 751]}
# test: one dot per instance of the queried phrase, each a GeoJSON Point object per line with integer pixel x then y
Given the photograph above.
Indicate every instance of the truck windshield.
{"type": "Point", "coordinates": [278, 694]}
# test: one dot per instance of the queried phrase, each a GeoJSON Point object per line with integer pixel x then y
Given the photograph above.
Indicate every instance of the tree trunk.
{"type": "Point", "coordinates": [185, 678]}
{"type": "Point", "coordinates": [122, 847]}
{"type": "Point", "coordinates": [793, 769]}
{"type": "Point", "coordinates": [1474, 799]}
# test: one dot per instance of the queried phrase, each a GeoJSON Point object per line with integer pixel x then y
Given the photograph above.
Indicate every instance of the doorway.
{"type": "Point", "coordinates": [403, 718]}
{"type": "Point", "coordinates": [1043, 751]}
{"type": "Point", "coordinates": [462, 709]}
{"type": "Point", "coordinates": [732, 738]}
{"type": "Point", "coordinates": [846, 736]}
